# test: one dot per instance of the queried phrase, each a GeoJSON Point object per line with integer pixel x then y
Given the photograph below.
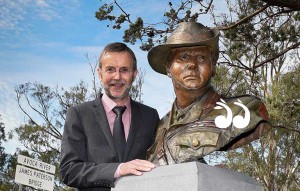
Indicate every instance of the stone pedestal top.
{"type": "Point", "coordinates": [192, 176]}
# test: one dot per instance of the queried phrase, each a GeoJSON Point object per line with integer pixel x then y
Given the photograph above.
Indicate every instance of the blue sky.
{"type": "Point", "coordinates": [46, 41]}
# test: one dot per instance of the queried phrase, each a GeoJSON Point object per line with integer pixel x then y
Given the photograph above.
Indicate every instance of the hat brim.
{"type": "Point", "coordinates": [158, 56]}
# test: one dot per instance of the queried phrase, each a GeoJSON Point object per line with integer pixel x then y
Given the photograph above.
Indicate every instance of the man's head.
{"type": "Point", "coordinates": [117, 70]}
{"type": "Point", "coordinates": [187, 34]}
{"type": "Point", "coordinates": [118, 47]}
{"type": "Point", "coordinates": [188, 57]}
{"type": "Point", "coordinates": [190, 68]}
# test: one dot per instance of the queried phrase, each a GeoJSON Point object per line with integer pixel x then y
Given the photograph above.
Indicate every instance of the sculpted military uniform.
{"type": "Point", "coordinates": [190, 135]}
{"type": "Point", "coordinates": [200, 121]}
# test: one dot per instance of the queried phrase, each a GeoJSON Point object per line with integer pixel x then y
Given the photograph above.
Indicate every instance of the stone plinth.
{"type": "Point", "coordinates": [192, 176]}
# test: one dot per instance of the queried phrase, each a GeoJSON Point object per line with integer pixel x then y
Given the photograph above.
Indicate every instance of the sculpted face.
{"type": "Point", "coordinates": [191, 68]}
{"type": "Point", "coordinates": [117, 74]}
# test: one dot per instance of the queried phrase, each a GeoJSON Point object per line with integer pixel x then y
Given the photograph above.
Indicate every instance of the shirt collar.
{"type": "Point", "coordinates": [194, 111]}
{"type": "Point", "coordinates": [110, 104]}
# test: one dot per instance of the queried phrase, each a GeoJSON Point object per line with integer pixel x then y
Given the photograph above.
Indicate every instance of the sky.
{"type": "Point", "coordinates": [46, 41]}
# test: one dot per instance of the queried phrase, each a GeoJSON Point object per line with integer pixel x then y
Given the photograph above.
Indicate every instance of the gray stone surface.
{"type": "Point", "coordinates": [192, 176]}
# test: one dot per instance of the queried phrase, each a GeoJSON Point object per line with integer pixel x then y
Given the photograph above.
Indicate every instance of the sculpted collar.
{"type": "Point", "coordinates": [194, 111]}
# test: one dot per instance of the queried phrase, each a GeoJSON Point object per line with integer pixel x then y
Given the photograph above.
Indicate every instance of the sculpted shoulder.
{"type": "Point", "coordinates": [253, 103]}
{"type": "Point", "coordinates": [248, 99]}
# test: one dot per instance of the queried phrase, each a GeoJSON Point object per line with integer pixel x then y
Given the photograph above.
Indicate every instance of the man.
{"type": "Point", "coordinates": [200, 121]}
{"type": "Point", "coordinates": [98, 145]}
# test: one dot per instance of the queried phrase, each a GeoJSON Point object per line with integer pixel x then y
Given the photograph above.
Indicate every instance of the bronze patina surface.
{"type": "Point", "coordinates": [195, 135]}
{"type": "Point", "coordinates": [200, 121]}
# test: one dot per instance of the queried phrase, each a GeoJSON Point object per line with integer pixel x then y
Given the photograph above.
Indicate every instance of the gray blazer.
{"type": "Point", "coordinates": [88, 154]}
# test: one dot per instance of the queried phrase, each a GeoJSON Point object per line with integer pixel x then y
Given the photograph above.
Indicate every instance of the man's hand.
{"type": "Point", "coordinates": [136, 167]}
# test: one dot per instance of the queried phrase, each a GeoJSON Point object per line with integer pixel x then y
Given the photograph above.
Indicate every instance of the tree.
{"type": "Point", "coordinates": [274, 159]}
{"type": "Point", "coordinates": [259, 56]}
{"type": "Point", "coordinates": [178, 11]}
{"type": "Point", "coordinates": [7, 164]}
{"type": "Point", "coordinates": [3, 155]}
{"type": "Point", "coordinates": [2, 139]}
{"type": "Point", "coordinates": [45, 109]}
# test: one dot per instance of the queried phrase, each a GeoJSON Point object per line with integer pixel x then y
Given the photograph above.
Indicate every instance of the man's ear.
{"type": "Point", "coordinates": [135, 74]}
{"type": "Point", "coordinates": [213, 70]}
{"type": "Point", "coordinates": [168, 72]}
{"type": "Point", "coordinates": [99, 73]}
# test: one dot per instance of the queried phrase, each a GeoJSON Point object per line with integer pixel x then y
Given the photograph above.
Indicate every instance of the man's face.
{"type": "Point", "coordinates": [116, 74]}
{"type": "Point", "coordinates": [190, 67]}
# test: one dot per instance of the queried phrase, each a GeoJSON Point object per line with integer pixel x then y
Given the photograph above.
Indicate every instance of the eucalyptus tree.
{"type": "Point", "coordinates": [259, 55]}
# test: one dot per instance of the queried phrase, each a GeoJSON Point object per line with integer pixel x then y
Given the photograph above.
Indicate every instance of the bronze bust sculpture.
{"type": "Point", "coordinates": [201, 121]}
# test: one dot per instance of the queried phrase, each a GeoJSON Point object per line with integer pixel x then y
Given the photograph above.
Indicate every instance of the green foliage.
{"type": "Point", "coordinates": [4, 178]}
{"type": "Point", "coordinates": [134, 32]}
{"type": "Point", "coordinates": [104, 12]}
{"type": "Point", "coordinates": [259, 42]}
{"type": "Point", "coordinates": [230, 82]}
{"type": "Point", "coordinates": [8, 164]}
{"type": "Point", "coordinates": [284, 101]}
{"type": "Point", "coordinates": [3, 155]}
{"type": "Point", "coordinates": [148, 34]}
{"type": "Point", "coordinates": [2, 132]}
{"type": "Point", "coordinates": [256, 51]}
{"type": "Point", "coordinates": [7, 173]}
{"type": "Point", "coordinates": [274, 158]}
{"type": "Point", "coordinates": [46, 109]}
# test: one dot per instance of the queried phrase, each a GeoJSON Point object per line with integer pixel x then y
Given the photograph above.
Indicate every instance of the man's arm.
{"type": "Point", "coordinates": [261, 129]}
{"type": "Point", "coordinates": [77, 171]}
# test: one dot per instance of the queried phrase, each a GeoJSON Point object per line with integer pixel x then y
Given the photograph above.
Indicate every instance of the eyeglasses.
{"type": "Point", "coordinates": [113, 70]}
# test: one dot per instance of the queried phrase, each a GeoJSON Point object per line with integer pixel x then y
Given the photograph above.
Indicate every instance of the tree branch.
{"type": "Point", "coordinates": [126, 15]}
{"type": "Point", "coordinates": [278, 55]}
{"type": "Point", "coordinates": [236, 78]}
{"type": "Point", "coordinates": [288, 128]}
{"type": "Point", "coordinates": [244, 20]}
